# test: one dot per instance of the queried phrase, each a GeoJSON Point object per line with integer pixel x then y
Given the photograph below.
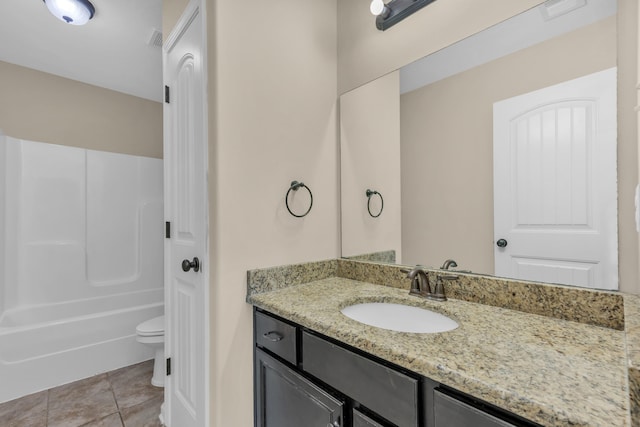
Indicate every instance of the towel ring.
{"type": "Point", "coordinates": [370, 194]}
{"type": "Point", "coordinates": [295, 185]}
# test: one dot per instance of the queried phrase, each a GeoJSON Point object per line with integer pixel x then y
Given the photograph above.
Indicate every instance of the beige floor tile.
{"type": "Point", "coordinates": [112, 420]}
{"type": "Point", "coordinates": [143, 415]}
{"type": "Point", "coordinates": [83, 401]}
{"type": "Point", "coordinates": [91, 402]}
{"type": "Point", "coordinates": [132, 385]}
{"type": "Point", "coordinates": [28, 411]}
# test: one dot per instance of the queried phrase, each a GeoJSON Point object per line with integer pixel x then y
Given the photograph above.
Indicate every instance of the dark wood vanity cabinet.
{"type": "Point", "coordinates": [304, 379]}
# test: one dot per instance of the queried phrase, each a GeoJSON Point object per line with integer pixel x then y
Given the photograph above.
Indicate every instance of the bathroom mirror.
{"type": "Point", "coordinates": [429, 150]}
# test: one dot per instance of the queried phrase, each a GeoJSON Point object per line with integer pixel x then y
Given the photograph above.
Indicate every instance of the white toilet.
{"type": "Point", "coordinates": [151, 333]}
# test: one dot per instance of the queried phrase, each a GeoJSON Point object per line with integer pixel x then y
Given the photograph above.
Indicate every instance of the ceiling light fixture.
{"type": "Point", "coordinates": [395, 11]}
{"type": "Point", "coordinates": [378, 8]}
{"type": "Point", "coordinates": [74, 12]}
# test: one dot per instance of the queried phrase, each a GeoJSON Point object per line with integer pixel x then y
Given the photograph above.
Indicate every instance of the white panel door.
{"type": "Point", "coordinates": [185, 154]}
{"type": "Point", "coordinates": [555, 186]}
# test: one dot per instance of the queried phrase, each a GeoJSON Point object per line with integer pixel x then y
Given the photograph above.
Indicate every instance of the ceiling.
{"type": "Point", "coordinates": [111, 51]}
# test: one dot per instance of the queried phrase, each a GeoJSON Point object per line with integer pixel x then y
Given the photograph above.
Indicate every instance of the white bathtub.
{"type": "Point", "coordinates": [81, 262]}
{"type": "Point", "coordinates": [46, 346]}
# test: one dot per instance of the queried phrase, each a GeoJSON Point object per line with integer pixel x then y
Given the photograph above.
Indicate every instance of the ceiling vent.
{"type": "Point", "coordinates": [155, 39]}
{"type": "Point", "coordinates": [554, 8]}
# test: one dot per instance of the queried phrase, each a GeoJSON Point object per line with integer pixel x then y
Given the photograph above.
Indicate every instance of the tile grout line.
{"type": "Point", "coordinates": [115, 399]}
{"type": "Point", "coordinates": [46, 414]}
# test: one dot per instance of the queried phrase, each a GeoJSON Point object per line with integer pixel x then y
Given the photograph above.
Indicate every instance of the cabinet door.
{"type": "Point", "coordinates": [361, 420]}
{"type": "Point", "coordinates": [284, 398]}
{"type": "Point", "coordinates": [450, 412]}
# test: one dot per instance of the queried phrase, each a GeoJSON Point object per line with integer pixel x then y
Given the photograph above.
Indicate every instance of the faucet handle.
{"type": "Point", "coordinates": [438, 292]}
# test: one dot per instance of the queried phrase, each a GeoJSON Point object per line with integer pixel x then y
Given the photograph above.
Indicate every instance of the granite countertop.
{"type": "Point", "coordinates": [550, 371]}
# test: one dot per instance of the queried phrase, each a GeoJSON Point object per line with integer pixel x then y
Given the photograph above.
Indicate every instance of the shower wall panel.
{"type": "Point", "coordinates": [80, 224]}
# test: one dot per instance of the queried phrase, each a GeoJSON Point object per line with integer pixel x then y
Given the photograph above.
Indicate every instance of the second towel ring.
{"type": "Point", "coordinates": [370, 194]}
{"type": "Point", "coordinates": [295, 185]}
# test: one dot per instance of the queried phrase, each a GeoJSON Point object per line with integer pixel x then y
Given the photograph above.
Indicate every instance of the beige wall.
{"type": "Point", "coordinates": [42, 107]}
{"type": "Point", "coordinates": [370, 159]}
{"type": "Point", "coordinates": [447, 144]}
{"type": "Point", "coordinates": [365, 53]}
{"type": "Point", "coordinates": [627, 145]}
{"type": "Point", "coordinates": [272, 100]}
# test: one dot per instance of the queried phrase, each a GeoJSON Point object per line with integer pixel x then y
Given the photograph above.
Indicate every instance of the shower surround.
{"type": "Point", "coordinates": [81, 257]}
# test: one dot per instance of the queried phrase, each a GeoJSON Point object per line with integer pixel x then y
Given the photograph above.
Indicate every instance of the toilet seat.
{"type": "Point", "coordinates": [151, 328]}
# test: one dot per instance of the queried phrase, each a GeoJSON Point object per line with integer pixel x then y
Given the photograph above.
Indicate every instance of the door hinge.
{"type": "Point", "coordinates": [168, 366]}
{"type": "Point", "coordinates": [166, 94]}
{"type": "Point", "coordinates": [167, 229]}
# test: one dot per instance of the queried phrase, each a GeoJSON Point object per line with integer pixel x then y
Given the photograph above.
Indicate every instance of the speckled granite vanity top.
{"type": "Point", "coordinates": [551, 371]}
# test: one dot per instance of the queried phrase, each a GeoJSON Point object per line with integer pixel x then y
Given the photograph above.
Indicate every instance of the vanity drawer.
{"type": "Point", "coordinates": [451, 412]}
{"type": "Point", "coordinates": [361, 420]}
{"type": "Point", "coordinates": [276, 336]}
{"type": "Point", "coordinates": [387, 392]}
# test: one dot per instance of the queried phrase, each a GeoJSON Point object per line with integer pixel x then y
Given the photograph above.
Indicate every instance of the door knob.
{"type": "Point", "coordinates": [188, 265]}
{"type": "Point", "coordinates": [501, 243]}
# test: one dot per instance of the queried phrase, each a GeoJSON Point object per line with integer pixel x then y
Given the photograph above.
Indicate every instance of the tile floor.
{"type": "Point", "coordinates": [120, 398]}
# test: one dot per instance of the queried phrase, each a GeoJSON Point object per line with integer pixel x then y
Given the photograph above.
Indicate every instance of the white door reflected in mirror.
{"type": "Point", "coordinates": [555, 195]}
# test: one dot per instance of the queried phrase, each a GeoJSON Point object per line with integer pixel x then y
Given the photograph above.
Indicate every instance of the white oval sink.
{"type": "Point", "coordinates": [399, 317]}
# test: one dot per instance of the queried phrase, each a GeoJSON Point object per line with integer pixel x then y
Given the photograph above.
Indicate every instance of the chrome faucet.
{"type": "Point", "coordinates": [449, 263]}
